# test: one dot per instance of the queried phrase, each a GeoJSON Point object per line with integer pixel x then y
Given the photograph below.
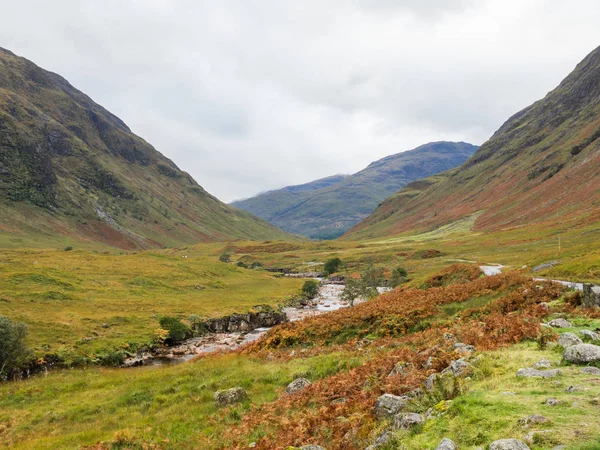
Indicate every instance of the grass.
{"type": "Point", "coordinates": [86, 301]}
{"type": "Point", "coordinates": [171, 406]}
{"type": "Point", "coordinates": [487, 413]}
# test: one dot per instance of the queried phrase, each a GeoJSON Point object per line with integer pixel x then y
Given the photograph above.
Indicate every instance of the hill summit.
{"type": "Point", "coordinates": [326, 208]}
{"type": "Point", "coordinates": [68, 167]}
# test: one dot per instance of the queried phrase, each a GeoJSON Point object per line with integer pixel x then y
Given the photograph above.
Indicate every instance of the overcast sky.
{"type": "Point", "coordinates": [252, 95]}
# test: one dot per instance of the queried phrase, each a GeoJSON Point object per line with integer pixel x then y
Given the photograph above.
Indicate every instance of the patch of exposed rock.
{"type": "Point", "coordinates": [446, 444]}
{"type": "Point", "coordinates": [389, 405]}
{"type": "Point", "coordinates": [509, 444]}
{"type": "Point", "coordinates": [534, 373]}
{"type": "Point", "coordinates": [230, 396]}
{"type": "Point", "coordinates": [566, 340]}
{"type": "Point", "coordinates": [297, 385]}
{"type": "Point", "coordinates": [560, 323]}
{"type": "Point", "coordinates": [582, 354]}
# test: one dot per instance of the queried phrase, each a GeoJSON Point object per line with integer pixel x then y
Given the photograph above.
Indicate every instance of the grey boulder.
{"type": "Point", "coordinates": [509, 444]}
{"type": "Point", "coordinates": [297, 385]}
{"type": "Point", "coordinates": [582, 354]}
{"type": "Point", "coordinates": [446, 444]}
{"type": "Point", "coordinates": [568, 339]}
{"type": "Point", "coordinates": [230, 396]}
{"type": "Point", "coordinates": [542, 364]}
{"type": "Point", "coordinates": [534, 373]}
{"type": "Point", "coordinates": [406, 421]}
{"type": "Point", "coordinates": [590, 334]}
{"type": "Point", "coordinates": [312, 447]}
{"type": "Point", "coordinates": [459, 368]}
{"type": "Point", "coordinates": [388, 405]}
{"type": "Point", "coordinates": [590, 370]}
{"type": "Point", "coordinates": [560, 323]}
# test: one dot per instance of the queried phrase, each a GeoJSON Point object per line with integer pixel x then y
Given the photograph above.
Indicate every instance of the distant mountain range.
{"type": "Point", "coordinates": [327, 208]}
{"type": "Point", "coordinates": [68, 167]}
{"type": "Point", "coordinates": [541, 166]}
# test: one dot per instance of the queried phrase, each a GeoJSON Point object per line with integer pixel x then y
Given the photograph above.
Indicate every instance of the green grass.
{"type": "Point", "coordinates": [171, 406]}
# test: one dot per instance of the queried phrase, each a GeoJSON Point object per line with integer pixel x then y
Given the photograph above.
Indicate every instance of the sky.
{"type": "Point", "coordinates": [253, 95]}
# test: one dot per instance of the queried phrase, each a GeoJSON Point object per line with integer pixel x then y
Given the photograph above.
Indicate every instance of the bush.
{"type": "Point", "coordinates": [13, 350]}
{"type": "Point", "coordinates": [112, 358]}
{"type": "Point", "coordinates": [332, 265]}
{"type": "Point", "coordinates": [197, 325]}
{"type": "Point", "coordinates": [399, 276]}
{"type": "Point", "coordinates": [310, 289]}
{"type": "Point", "coordinates": [225, 257]}
{"type": "Point", "coordinates": [178, 331]}
{"type": "Point", "coordinates": [242, 264]}
{"type": "Point", "coordinates": [68, 249]}
{"type": "Point", "coordinates": [256, 265]}
{"type": "Point", "coordinates": [357, 288]}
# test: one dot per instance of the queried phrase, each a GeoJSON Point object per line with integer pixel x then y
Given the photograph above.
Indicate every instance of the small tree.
{"type": "Point", "coordinates": [178, 331]}
{"type": "Point", "coordinates": [373, 276]}
{"type": "Point", "coordinates": [310, 289]}
{"type": "Point", "coordinates": [399, 276]}
{"type": "Point", "coordinates": [13, 350]}
{"type": "Point", "coordinates": [357, 288]}
{"type": "Point", "coordinates": [332, 265]}
{"type": "Point", "coordinates": [225, 257]}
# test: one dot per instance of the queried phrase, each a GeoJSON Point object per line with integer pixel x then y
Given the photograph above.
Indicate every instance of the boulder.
{"type": "Point", "coordinates": [591, 370]}
{"type": "Point", "coordinates": [230, 396]}
{"type": "Point", "coordinates": [560, 323]}
{"type": "Point", "coordinates": [406, 421]}
{"type": "Point", "coordinates": [381, 440]}
{"type": "Point", "coordinates": [446, 444]}
{"type": "Point", "coordinates": [542, 364]}
{"type": "Point", "coordinates": [532, 420]}
{"type": "Point", "coordinates": [582, 354]}
{"type": "Point", "coordinates": [590, 334]}
{"type": "Point", "coordinates": [388, 405]}
{"type": "Point", "coordinates": [464, 349]}
{"type": "Point", "coordinates": [568, 339]}
{"type": "Point", "coordinates": [399, 369]}
{"type": "Point", "coordinates": [459, 368]}
{"type": "Point", "coordinates": [509, 444]}
{"type": "Point", "coordinates": [312, 447]}
{"type": "Point", "coordinates": [530, 373]}
{"type": "Point", "coordinates": [552, 402]}
{"type": "Point", "coordinates": [297, 385]}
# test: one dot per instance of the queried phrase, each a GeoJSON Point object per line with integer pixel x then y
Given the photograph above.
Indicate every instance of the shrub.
{"type": "Point", "coordinates": [332, 265]}
{"type": "Point", "coordinates": [68, 249]}
{"type": "Point", "coordinates": [13, 350]}
{"type": "Point", "coordinates": [178, 331]}
{"type": "Point", "coordinates": [310, 289]}
{"type": "Point", "coordinates": [242, 264]}
{"type": "Point", "coordinates": [197, 325]}
{"type": "Point", "coordinates": [112, 358]}
{"type": "Point", "coordinates": [225, 257]}
{"type": "Point", "coordinates": [256, 265]}
{"type": "Point", "coordinates": [399, 276]}
{"type": "Point", "coordinates": [356, 288]}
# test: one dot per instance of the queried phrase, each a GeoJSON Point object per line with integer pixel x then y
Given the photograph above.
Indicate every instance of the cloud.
{"type": "Point", "coordinates": [251, 95]}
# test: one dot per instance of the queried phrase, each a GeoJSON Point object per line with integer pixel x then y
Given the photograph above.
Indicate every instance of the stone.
{"type": "Point", "coordinates": [312, 447]}
{"type": "Point", "coordinates": [530, 437]}
{"type": "Point", "coordinates": [582, 354]}
{"type": "Point", "coordinates": [381, 440]}
{"type": "Point", "coordinates": [509, 444]}
{"type": "Point", "coordinates": [532, 420]}
{"type": "Point", "coordinates": [571, 389]}
{"type": "Point", "coordinates": [553, 402]}
{"type": "Point", "coordinates": [446, 444]}
{"type": "Point", "coordinates": [531, 373]}
{"type": "Point", "coordinates": [568, 339]}
{"type": "Point", "coordinates": [543, 266]}
{"type": "Point", "coordinates": [399, 369]}
{"type": "Point", "coordinates": [560, 323]}
{"type": "Point", "coordinates": [542, 364]}
{"type": "Point", "coordinates": [590, 371]}
{"type": "Point", "coordinates": [590, 334]}
{"type": "Point", "coordinates": [388, 405]}
{"type": "Point", "coordinates": [464, 349]}
{"type": "Point", "coordinates": [430, 382]}
{"type": "Point", "coordinates": [297, 385]}
{"type": "Point", "coordinates": [406, 421]}
{"type": "Point", "coordinates": [230, 396]}
{"type": "Point", "coordinates": [459, 368]}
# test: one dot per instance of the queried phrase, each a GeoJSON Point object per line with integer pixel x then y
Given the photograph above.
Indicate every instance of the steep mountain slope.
{"type": "Point", "coordinates": [69, 167]}
{"type": "Point", "coordinates": [326, 210]}
{"type": "Point", "coordinates": [543, 164]}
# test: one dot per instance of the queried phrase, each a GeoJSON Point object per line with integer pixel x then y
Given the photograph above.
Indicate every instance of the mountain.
{"type": "Point", "coordinates": [68, 167]}
{"type": "Point", "coordinates": [542, 165]}
{"type": "Point", "coordinates": [326, 208]}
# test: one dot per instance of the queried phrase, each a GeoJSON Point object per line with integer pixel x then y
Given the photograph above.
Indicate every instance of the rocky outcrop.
{"type": "Point", "coordinates": [407, 421]}
{"type": "Point", "coordinates": [245, 322]}
{"type": "Point", "coordinates": [297, 385]}
{"type": "Point", "coordinates": [230, 396]}
{"type": "Point", "coordinates": [305, 275]}
{"type": "Point", "coordinates": [509, 444]}
{"type": "Point", "coordinates": [590, 334]}
{"type": "Point", "coordinates": [446, 444]}
{"type": "Point", "coordinates": [534, 373]}
{"type": "Point", "coordinates": [560, 323]}
{"type": "Point", "coordinates": [591, 296]}
{"type": "Point", "coordinates": [459, 368]}
{"type": "Point", "coordinates": [582, 354]}
{"type": "Point", "coordinates": [312, 447]}
{"type": "Point", "coordinates": [591, 370]}
{"type": "Point", "coordinates": [566, 340]}
{"type": "Point", "coordinates": [388, 405]}
{"type": "Point", "coordinates": [542, 364]}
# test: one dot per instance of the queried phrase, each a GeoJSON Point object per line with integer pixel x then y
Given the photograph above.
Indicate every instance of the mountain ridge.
{"type": "Point", "coordinates": [327, 211]}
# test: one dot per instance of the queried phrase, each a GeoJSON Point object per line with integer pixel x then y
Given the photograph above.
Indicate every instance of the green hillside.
{"type": "Point", "coordinates": [325, 209]}
{"type": "Point", "coordinates": [69, 169]}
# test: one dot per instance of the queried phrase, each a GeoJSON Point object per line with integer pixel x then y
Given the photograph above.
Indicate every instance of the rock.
{"type": "Point", "coordinates": [542, 364]}
{"type": "Point", "coordinates": [430, 382]}
{"type": "Point", "coordinates": [230, 396]}
{"type": "Point", "coordinates": [509, 444]}
{"type": "Point", "coordinates": [529, 373]}
{"type": "Point", "coordinates": [582, 354]}
{"type": "Point", "coordinates": [388, 405]}
{"type": "Point", "coordinates": [446, 444]}
{"type": "Point", "coordinates": [399, 369]}
{"type": "Point", "coordinates": [543, 266]}
{"type": "Point", "coordinates": [530, 437]}
{"type": "Point", "coordinates": [406, 421]}
{"type": "Point", "coordinates": [560, 323]}
{"type": "Point", "coordinates": [297, 385]}
{"type": "Point", "coordinates": [553, 402]}
{"type": "Point", "coordinates": [459, 368]}
{"type": "Point", "coordinates": [532, 420]}
{"type": "Point", "coordinates": [590, 334]}
{"type": "Point", "coordinates": [568, 339]}
{"type": "Point", "coordinates": [381, 440]}
{"type": "Point", "coordinates": [571, 389]}
{"type": "Point", "coordinates": [590, 371]}
{"type": "Point", "coordinates": [464, 349]}
{"type": "Point", "coordinates": [312, 447]}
